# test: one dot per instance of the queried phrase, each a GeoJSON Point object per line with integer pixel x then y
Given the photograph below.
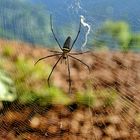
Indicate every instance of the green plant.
{"type": "Point", "coordinates": [85, 98]}
{"type": "Point", "coordinates": [117, 34]}
{"type": "Point", "coordinates": [7, 51]}
{"type": "Point", "coordinates": [107, 96]}
{"type": "Point", "coordinates": [45, 97]}
{"type": "Point", "coordinates": [16, 24]}
{"type": "Point", "coordinates": [7, 88]}
{"type": "Point", "coordinates": [29, 79]}
{"type": "Point", "coordinates": [30, 86]}
{"type": "Point", "coordinates": [104, 97]}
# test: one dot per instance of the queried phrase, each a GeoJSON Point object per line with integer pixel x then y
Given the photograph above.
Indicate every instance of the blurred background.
{"type": "Point", "coordinates": [104, 104]}
{"type": "Point", "coordinates": [29, 21]}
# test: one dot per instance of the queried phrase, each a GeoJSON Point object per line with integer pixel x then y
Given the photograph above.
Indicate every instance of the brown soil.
{"type": "Point", "coordinates": [115, 70]}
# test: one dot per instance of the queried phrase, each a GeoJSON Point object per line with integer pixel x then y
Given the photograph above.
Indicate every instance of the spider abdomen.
{"type": "Point", "coordinates": [67, 44]}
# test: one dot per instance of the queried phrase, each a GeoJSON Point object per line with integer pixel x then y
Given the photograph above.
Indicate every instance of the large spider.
{"type": "Point", "coordinates": [65, 54]}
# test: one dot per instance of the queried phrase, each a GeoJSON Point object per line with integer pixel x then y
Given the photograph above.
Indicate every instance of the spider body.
{"type": "Point", "coordinates": [64, 54]}
{"type": "Point", "coordinates": [66, 47]}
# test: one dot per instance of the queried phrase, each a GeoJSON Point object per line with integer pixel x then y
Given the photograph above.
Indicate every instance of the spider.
{"type": "Point", "coordinates": [64, 54]}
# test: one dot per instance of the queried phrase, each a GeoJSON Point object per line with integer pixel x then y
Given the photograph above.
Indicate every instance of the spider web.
{"type": "Point", "coordinates": [111, 72]}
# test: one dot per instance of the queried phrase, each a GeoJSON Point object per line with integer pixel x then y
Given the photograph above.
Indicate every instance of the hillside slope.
{"type": "Point", "coordinates": [24, 21]}
{"type": "Point", "coordinates": [110, 117]}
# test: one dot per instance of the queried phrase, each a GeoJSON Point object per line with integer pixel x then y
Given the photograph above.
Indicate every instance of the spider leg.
{"type": "Point", "coordinates": [76, 36]}
{"type": "Point", "coordinates": [80, 61]}
{"type": "Point", "coordinates": [54, 51]}
{"type": "Point", "coordinates": [45, 58]}
{"type": "Point", "coordinates": [54, 33]}
{"type": "Point", "coordinates": [78, 53]}
{"type": "Point", "coordinates": [52, 70]}
{"type": "Point", "coordinates": [69, 75]}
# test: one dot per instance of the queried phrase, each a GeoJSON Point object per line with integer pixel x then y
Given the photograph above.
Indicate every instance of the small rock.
{"type": "Point", "coordinates": [74, 126]}
{"type": "Point", "coordinates": [114, 119]}
{"type": "Point", "coordinates": [79, 116]}
{"type": "Point", "coordinates": [35, 122]}
{"type": "Point", "coordinates": [64, 124]}
{"type": "Point", "coordinates": [52, 129]}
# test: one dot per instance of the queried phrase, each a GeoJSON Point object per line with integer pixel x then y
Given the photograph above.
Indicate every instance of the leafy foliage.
{"type": "Point", "coordinates": [86, 98]}
{"type": "Point", "coordinates": [107, 96]}
{"type": "Point", "coordinates": [103, 97]}
{"type": "Point", "coordinates": [27, 78]}
{"type": "Point", "coordinates": [31, 86]}
{"type": "Point", "coordinates": [117, 34]}
{"type": "Point", "coordinates": [7, 51]}
{"type": "Point", "coordinates": [7, 88]}
{"type": "Point", "coordinates": [23, 21]}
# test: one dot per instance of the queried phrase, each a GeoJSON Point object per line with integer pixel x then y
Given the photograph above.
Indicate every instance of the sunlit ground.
{"type": "Point", "coordinates": [103, 104]}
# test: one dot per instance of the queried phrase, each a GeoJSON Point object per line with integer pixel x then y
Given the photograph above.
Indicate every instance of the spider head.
{"type": "Point", "coordinates": [67, 44]}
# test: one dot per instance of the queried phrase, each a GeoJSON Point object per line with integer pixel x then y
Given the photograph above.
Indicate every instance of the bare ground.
{"type": "Point", "coordinates": [109, 70]}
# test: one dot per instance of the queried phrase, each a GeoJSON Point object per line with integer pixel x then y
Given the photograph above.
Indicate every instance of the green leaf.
{"type": "Point", "coordinates": [7, 88]}
{"type": "Point", "coordinates": [86, 98]}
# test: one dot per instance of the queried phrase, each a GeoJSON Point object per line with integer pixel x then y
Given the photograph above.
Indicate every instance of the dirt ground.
{"type": "Point", "coordinates": [113, 70]}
